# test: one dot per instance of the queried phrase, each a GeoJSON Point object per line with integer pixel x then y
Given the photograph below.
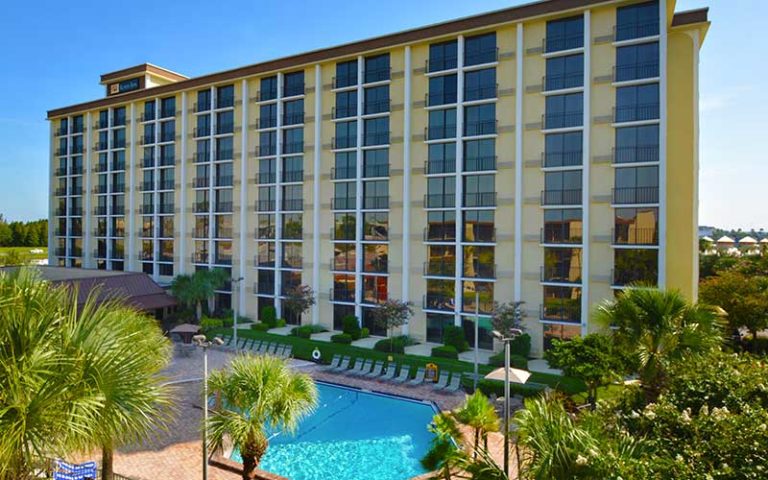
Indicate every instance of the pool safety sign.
{"type": "Point", "coordinates": [430, 373]}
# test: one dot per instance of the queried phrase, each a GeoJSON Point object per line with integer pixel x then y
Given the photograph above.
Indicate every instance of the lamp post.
{"type": "Point", "coordinates": [514, 332]}
{"type": "Point", "coordinates": [202, 342]}
{"type": "Point", "coordinates": [235, 313]}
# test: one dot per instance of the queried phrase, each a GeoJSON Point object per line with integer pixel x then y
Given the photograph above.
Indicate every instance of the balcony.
{"type": "Point", "coordinates": [61, 152]}
{"type": "Point", "coordinates": [552, 121]}
{"type": "Point", "coordinates": [635, 71]}
{"type": "Point", "coordinates": [265, 260]}
{"type": "Point", "coordinates": [76, 252]}
{"type": "Point", "coordinates": [481, 56]}
{"type": "Point", "coordinates": [118, 143]}
{"type": "Point", "coordinates": [640, 276]}
{"type": "Point", "coordinates": [375, 202]}
{"type": "Point", "coordinates": [376, 171]}
{"type": "Point", "coordinates": [148, 139]}
{"type": "Point", "coordinates": [200, 232]}
{"type": "Point", "coordinates": [60, 192]}
{"type": "Point", "coordinates": [266, 95]}
{"type": "Point", "coordinates": [635, 196]}
{"type": "Point", "coordinates": [293, 147]}
{"type": "Point", "coordinates": [343, 173]}
{"type": "Point", "coordinates": [101, 167]}
{"type": "Point", "coordinates": [563, 81]}
{"type": "Point", "coordinates": [102, 254]}
{"type": "Point", "coordinates": [117, 255]}
{"type": "Point", "coordinates": [100, 210]}
{"type": "Point", "coordinates": [293, 204]}
{"type": "Point", "coordinates": [264, 288]}
{"type": "Point", "coordinates": [376, 138]}
{"type": "Point", "coordinates": [102, 123]}
{"type": "Point", "coordinates": [165, 208]}
{"type": "Point", "coordinates": [484, 92]}
{"type": "Point", "coordinates": [118, 187]}
{"type": "Point", "coordinates": [75, 191]}
{"type": "Point", "coordinates": [439, 302]}
{"type": "Point", "coordinates": [201, 182]}
{"type": "Point", "coordinates": [223, 207]}
{"type": "Point", "coordinates": [637, 154]}
{"type": "Point", "coordinates": [202, 157]}
{"type": "Point", "coordinates": [267, 122]}
{"type": "Point", "coordinates": [76, 170]}
{"type": "Point", "coordinates": [225, 128]}
{"type": "Point", "coordinates": [344, 112]}
{"type": "Point", "coordinates": [559, 43]}
{"type": "Point", "coordinates": [148, 162]}
{"type": "Point", "coordinates": [147, 232]}
{"type": "Point", "coordinates": [293, 90]}
{"type": "Point", "coordinates": [76, 211]}
{"type": "Point", "coordinates": [374, 107]}
{"type": "Point", "coordinates": [293, 176]}
{"type": "Point", "coordinates": [448, 62]}
{"type": "Point", "coordinates": [480, 233]}
{"type": "Point", "coordinates": [434, 167]}
{"type": "Point", "coordinates": [266, 150]}
{"type": "Point", "coordinates": [146, 256]}
{"type": "Point", "coordinates": [222, 259]}
{"type": "Point", "coordinates": [561, 197]}
{"type": "Point", "coordinates": [445, 267]}
{"type": "Point", "coordinates": [100, 146]}
{"type": "Point", "coordinates": [480, 199]}
{"type": "Point", "coordinates": [344, 80]}
{"type": "Point", "coordinates": [77, 149]}
{"type": "Point", "coordinates": [561, 159]}
{"type": "Point", "coordinates": [561, 273]}
{"type": "Point", "coordinates": [293, 119]}
{"type": "Point", "coordinates": [633, 236]}
{"type": "Point", "coordinates": [117, 210]}
{"type": "Point", "coordinates": [631, 31]}
{"type": "Point", "coordinates": [118, 166]}
{"type": "Point", "coordinates": [60, 252]}
{"type": "Point", "coordinates": [342, 263]}
{"type": "Point", "coordinates": [167, 184]}
{"type": "Point", "coordinates": [224, 181]}
{"type": "Point", "coordinates": [265, 205]}
{"type": "Point", "coordinates": [223, 233]}
{"type": "Point", "coordinates": [477, 269]}
{"type": "Point", "coordinates": [201, 207]}
{"type": "Point", "coordinates": [441, 98]}
{"type": "Point", "coordinates": [377, 74]}
{"type": "Point", "coordinates": [225, 101]}
{"type": "Point", "coordinates": [560, 311]}
{"type": "Point", "coordinates": [224, 154]}
{"type": "Point", "coordinates": [636, 113]}
{"type": "Point", "coordinates": [477, 128]}
{"type": "Point", "coordinates": [342, 295]}
{"type": "Point", "coordinates": [343, 203]}
{"type": "Point", "coordinates": [60, 130]}
{"type": "Point", "coordinates": [264, 178]}
{"type": "Point", "coordinates": [561, 234]}
{"type": "Point", "coordinates": [440, 200]}
{"type": "Point", "coordinates": [202, 131]}
{"type": "Point", "coordinates": [440, 132]}
{"type": "Point", "coordinates": [200, 257]}
{"type": "Point", "coordinates": [60, 172]}
{"type": "Point", "coordinates": [146, 186]}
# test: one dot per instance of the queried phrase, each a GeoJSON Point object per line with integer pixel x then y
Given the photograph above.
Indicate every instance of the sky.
{"type": "Point", "coordinates": [53, 52]}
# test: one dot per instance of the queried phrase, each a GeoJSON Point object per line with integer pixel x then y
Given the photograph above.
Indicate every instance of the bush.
{"type": "Point", "coordinates": [521, 346]}
{"type": "Point", "coordinates": [227, 322]}
{"type": "Point", "coordinates": [342, 338]}
{"type": "Point", "coordinates": [302, 332]}
{"type": "Point", "coordinates": [269, 316]}
{"type": "Point", "coordinates": [494, 387]}
{"type": "Point", "coordinates": [351, 327]}
{"type": "Point", "coordinates": [208, 323]}
{"type": "Point", "coordinates": [280, 323]}
{"type": "Point", "coordinates": [364, 332]}
{"type": "Point", "coordinates": [454, 336]}
{"type": "Point", "coordinates": [515, 361]}
{"type": "Point", "coordinates": [394, 344]}
{"type": "Point", "coordinates": [445, 351]}
{"type": "Point", "coordinates": [260, 327]}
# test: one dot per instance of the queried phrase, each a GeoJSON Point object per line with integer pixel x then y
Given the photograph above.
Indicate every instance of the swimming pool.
{"type": "Point", "coordinates": [353, 435]}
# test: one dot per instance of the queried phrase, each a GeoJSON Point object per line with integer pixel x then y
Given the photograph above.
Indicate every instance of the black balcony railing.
{"type": "Point", "coordinates": [445, 267]}
{"type": "Point", "coordinates": [225, 101]}
{"type": "Point", "coordinates": [77, 149]}
{"type": "Point", "coordinates": [440, 302]}
{"type": "Point", "coordinates": [100, 210]}
{"type": "Point", "coordinates": [76, 211]}
{"type": "Point", "coordinates": [222, 259]}
{"type": "Point", "coordinates": [60, 130]}
{"type": "Point", "coordinates": [377, 74]}
{"type": "Point", "coordinates": [440, 233]}
{"type": "Point", "coordinates": [561, 159]}
{"type": "Point", "coordinates": [147, 162]}
{"type": "Point", "coordinates": [293, 119]}
{"type": "Point", "coordinates": [75, 191]}
{"type": "Point", "coordinates": [378, 106]}
{"type": "Point", "coordinates": [440, 200]}
{"type": "Point", "coordinates": [480, 199]}
{"type": "Point", "coordinates": [636, 113]}
{"type": "Point", "coordinates": [265, 205]}
{"type": "Point", "coordinates": [165, 208]}
{"type": "Point", "coordinates": [375, 202]}
{"type": "Point", "coordinates": [560, 312]}
{"type": "Point", "coordinates": [440, 98]}
{"type": "Point", "coordinates": [264, 260]}
{"type": "Point", "coordinates": [293, 147]}
{"type": "Point", "coordinates": [60, 252]}
{"type": "Point", "coordinates": [166, 185]}
{"type": "Point", "coordinates": [479, 233]}
{"type": "Point", "coordinates": [101, 146]}
{"type": "Point", "coordinates": [480, 164]}
{"type": "Point", "coordinates": [201, 182]}
{"type": "Point", "coordinates": [263, 178]}
{"type": "Point", "coordinates": [118, 165]}
{"type": "Point", "coordinates": [202, 157]}
{"type": "Point", "coordinates": [634, 30]}
{"type": "Point", "coordinates": [117, 210]}
{"type": "Point", "coordinates": [201, 207]}
{"type": "Point", "coordinates": [290, 176]}
{"type": "Point", "coordinates": [561, 234]}
{"type": "Point", "coordinates": [635, 195]}
{"type": "Point", "coordinates": [433, 167]}
{"type": "Point", "coordinates": [560, 273]}
{"type": "Point", "coordinates": [557, 43]}
{"type": "Point", "coordinates": [481, 56]}
{"type": "Point", "coordinates": [374, 171]}
{"type": "Point", "coordinates": [224, 207]}
{"type": "Point", "coordinates": [636, 71]}
{"type": "Point", "coordinates": [561, 197]}
{"type": "Point", "coordinates": [483, 127]}
{"type": "Point", "coordinates": [342, 295]}
{"type": "Point", "coordinates": [60, 192]}
{"type": "Point", "coordinates": [563, 81]}
{"type": "Point", "coordinates": [264, 288]}
{"type": "Point", "coordinates": [344, 112]}
{"type": "Point", "coordinates": [292, 90]}
{"type": "Point", "coordinates": [225, 127]}
{"type": "Point", "coordinates": [60, 172]}
{"type": "Point", "coordinates": [224, 154]}
{"type": "Point", "coordinates": [563, 120]}
{"type": "Point", "coordinates": [224, 181]}
{"type": "Point", "coordinates": [342, 264]}
{"type": "Point", "coordinates": [642, 276]}
{"type": "Point", "coordinates": [343, 203]}
{"type": "Point", "coordinates": [375, 138]}
{"type": "Point", "coordinates": [342, 173]}
{"type": "Point", "coordinates": [293, 204]}
{"type": "Point", "coordinates": [145, 186]}
{"type": "Point", "coordinates": [200, 257]}
{"type": "Point", "coordinates": [477, 269]}
{"type": "Point", "coordinates": [632, 235]}
{"type": "Point", "coordinates": [342, 81]}
{"type": "Point", "coordinates": [440, 132]}
{"type": "Point", "coordinates": [266, 150]}
{"type": "Point", "coordinates": [202, 131]}
{"type": "Point", "coordinates": [268, 122]}
{"type": "Point", "coordinates": [439, 64]}
{"type": "Point", "coordinates": [637, 154]}
{"type": "Point", "coordinates": [483, 92]}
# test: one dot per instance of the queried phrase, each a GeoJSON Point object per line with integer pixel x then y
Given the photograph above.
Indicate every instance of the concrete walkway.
{"type": "Point", "coordinates": [325, 336]}
{"type": "Point", "coordinates": [367, 342]}
{"type": "Point", "coordinates": [483, 356]}
{"type": "Point", "coordinates": [284, 331]}
{"type": "Point", "coordinates": [540, 365]}
{"type": "Point", "coordinates": [423, 349]}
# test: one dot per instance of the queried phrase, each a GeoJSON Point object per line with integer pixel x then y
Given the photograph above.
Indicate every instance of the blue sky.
{"type": "Point", "coordinates": [53, 53]}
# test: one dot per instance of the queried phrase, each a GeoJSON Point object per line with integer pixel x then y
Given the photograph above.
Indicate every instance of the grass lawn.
{"type": "Point", "coordinates": [603, 393]}
{"type": "Point", "coordinates": [25, 252]}
{"type": "Point", "coordinates": [302, 348]}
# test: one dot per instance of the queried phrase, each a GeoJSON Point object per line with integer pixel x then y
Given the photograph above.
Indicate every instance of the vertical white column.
{"type": "Point", "coordinates": [518, 235]}
{"type": "Point", "coordinates": [130, 251]}
{"type": "Point", "coordinates": [87, 234]}
{"type": "Point", "coordinates": [279, 197]}
{"type": "Point", "coordinates": [243, 194]}
{"type": "Point", "coordinates": [459, 187]}
{"type": "Point", "coordinates": [359, 193]}
{"type": "Point", "coordinates": [586, 156]}
{"type": "Point", "coordinates": [182, 236]}
{"type": "Point", "coordinates": [663, 38]}
{"type": "Point", "coordinates": [406, 275]}
{"type": "Point", "coordinates": [316, 194]}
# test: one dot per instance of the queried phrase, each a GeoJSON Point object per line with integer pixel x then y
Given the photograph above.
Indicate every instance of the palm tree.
{"type": "Point", "coordinates": [478, 413]}
{"type": "Point", "coordinates": [258, 392]}
{"type": "Point", "coordinates": [63, 366]}
{"type": "Point", "coordinates": [444, 454]}
{"type": "Point", "coordinates": [660, 327]}
{"type": "Point", "coordinates": [193, 290]}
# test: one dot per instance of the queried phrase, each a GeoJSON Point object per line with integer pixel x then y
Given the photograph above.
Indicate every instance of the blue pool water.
{"type": "Point", "coordinates": [353, 435]}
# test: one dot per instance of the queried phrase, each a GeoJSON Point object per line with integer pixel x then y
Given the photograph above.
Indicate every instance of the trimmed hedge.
{"type": "Point", "coordinates": [260, 327]}
{"type": "Point", "coordinates": [391, 345]}
{"type": "Point", "coordinates": [343, 338]}
{"type": "Point", "coordinates": [351, 327]}
{"type": "Point", "coordinates": [515, 361]}
{"type": "Point", "coordinates": [521, 345]}
{"type": "Point", "coordinates": [494, 387]}
{"type": "Point", "coordinates": [269, 316]}
{"type": "Point", "coordinates": [454, 336]}
{"type": "Point", "coordinates": [445, 351]}
{"type": "Point", "coordinates": [208, 323]}
{"type": "Point", "coordinates": [364, 332]}
{"type": "Point", "coordinates": [302, 332]}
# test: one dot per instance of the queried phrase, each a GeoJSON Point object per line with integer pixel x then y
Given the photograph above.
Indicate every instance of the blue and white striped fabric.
{"type": "Point", "coordinates": [69, 471]}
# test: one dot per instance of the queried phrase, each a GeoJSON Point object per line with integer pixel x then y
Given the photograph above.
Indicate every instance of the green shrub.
{"type": "Point", "coordinates": [515, 361]}
{"type": "Point", "coordinates": [269, 316]}
{"type": "Point", "coordinates": [364, 332]}
{"type": "Point", "coordinates": [495, 387]}
{"type": "Point", "coordinates": [351, 327]}
{"type": "Point", "coordinates": [260, 327]}
{"type": "Point", "coordinates": [445, 351]}
{"type": "Point", "coordinates": [521, 346]}
{"type": "Point", "coordinates": [343, 338]}
{"type": "Point", "coordinates": [302, 332]}
{"type": "Point", "coordinates": [393, 344]}
{"type": "Point", "coordinates": [317, 328]}
{"type": "Point", "coordinates": [454, 336]}
{"type": "Point", "coordinates": [227, 322]}
{"type": "Point", "coordinates": [208, 323]}
{"type": "Point", "coordinates": [280, 323]}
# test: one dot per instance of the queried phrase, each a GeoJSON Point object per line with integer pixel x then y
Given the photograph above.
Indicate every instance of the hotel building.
{"type": "Point", "coordinates": [546, 153]}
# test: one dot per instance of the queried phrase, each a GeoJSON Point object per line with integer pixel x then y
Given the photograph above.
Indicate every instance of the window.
{"type": "Point", "coordinates": [377, 68]}
{"type": "Point", "coordinates": [344, 255]}
{"type": "Point", "coordinates": [344, 226]}
{"type": "Point", "coordinates": [224, 148]}
{"type": "Point", "coordinates": [293, 169]}
{"type": "Point", "coordinates": [345, 166]}
{"type": "Point", "coordinates": [563, 149]}
{"type": "Point", "coordinates": [268, 115]}
{"type": "Point", "coordinates": [561, 304]}
{"type": "Point", "coordinates": [564, 111]}
{"type": "Point", "coordinates": [168, 107]}
{"type": "Point", "coordinates": [225, 122]}
{"type": "Point", "coordinates": [203, 128]}
{"type": "Point", "coordinates": [479, 155]}
{"type": "Point", "coordinates": [479, 84]}
{"type": "Point", "coordinates": [346, 104]}
{"type": "Point", "coordinates": [223, 200]}
{"type": "Point", "coordinates": [167, 155]}
{"type": "Point", "coordinates": [562, 265]}
{"type": "Point", "coordinates": [479, 261]}
{"type": "Point", "coordinates": [440, 295]}
{"type": "Point", "coordinates": [375, 226]}
{"type": "Point", "coordinates": [559, 332]}
{"type": "Point", "coordinates": [223, 174]}
{"type": "Point", "coordinates": [635, 62]}
{"type": "Point", "coordinates": [480, 49]}
{"type": "Point", "coordinates": [225, 96]}
{"type": "Point", "coordinates": [293, 84]}
{"type": "Point", "coordinates": [373, 326]}
{"type": "Point", "coordinates": [485, 294]}
{"type": "Point", "coordinates": [636, 185]}
{"type": "Point", "coordinates": [339, 312]}
{"type": "Point", "coordinates": [442, 124]}
{"type": "Point", "coordinates": [637, 103]}
{"type": "Point", "coordinates": [479, 226]}
{"type": "Point", "coordinates": [443, 56]}
{"type": "Point", "coordinates": [479, 191]}
{"type": "Point", "coordinates": [293, 197]}
{"type": "Point", "coordinates": [436, 323]}
{"type": "Point", "coordinates": [565, 72]}
{"type": "Point", "coordinates": [562, 226]}
{"type": "Point", "coordinates": [565, 34]}
{"type": "Point", "coordinates": [637, 144]}
{"type": "Point", "coordinates": [636, 226]}
{"type": "Point", "coordinates": [441, 226]}
{"type": "Point", "coordinates": [265, 282]}
{"type": "Point", "coordinates": [292, 257]}
{"type": "Point", "coordinates": [266, 171]}
{"type": "Point", "coordinates": [441, 192]}
{"type": "Point", "coordinates": [562, 188]}
{"type": "Point", "coordinates": [637, 21]}
{"type": "Point", "coordinates": [166, 227]}
{"type": "Point", "coordinates": [442, 90]}
{"type": "Point", "coordinates": [268, 89]}
{"type": "Point", "coordinates": [266, 226]}
{"type": "Point", "coordinates": [374, 289]}
{"type": "Point", "coordinates": [635, 266]}
{"type": "Point", "coordinates": [293, 141]}
{"type": "Point", "coordinates": [441, 158]}
{"type": "Point", "coordinates": [149, 110]}
{"type": "Point", "coordinates": [376, 100]}
{"type": "Point", "coordinates": [480, 120]}
{"type": "Point", "coordinates": [346, 135]}
{"type": "Point", "coordinates": [118, 138]}
{"type": "Point", "coordinates": [346, 74]}
{"type": "Point", "coordinates": [266, 199]}
{"type": "Point", "coordinates": [103, 118]}
{"type": "Point", "coordinates": [118, 117]}
{"type": "Point", "coordinates": [441, 260]}
{"type": "Point", "coordinates": [203, 100]}
{"type": "Point", "coordinates": [168, 131]}
{"type": "Point", "coordinates": [267, 144]}
{"type": "Point", "coordinates": [293, 112]}
{"type": "Point", "coordinates": [376, 131]}
{"type": "Point", "coordinates": [376, 163]}
{"type": "Point", "coordinates": [376, 194]}
{"type": "Point", "coordinates": [345, 196]}
{"type": "Point", "coordinates": [292, 226]}
{"type": "Point", "coordinates": [375, 257]}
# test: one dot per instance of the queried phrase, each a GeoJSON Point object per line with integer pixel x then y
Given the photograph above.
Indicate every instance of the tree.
{"type": "Point", "coordinates": [62, 367]}
{"type": "Point", "coordinates": [392, 314]}
{"type": "Point", "coordinates": [299, 299]}
{"type": "Point", "coordinates": [507, 317]}
{"type": "Point", "coordinates": [658, 328]}
{"type": "Point", "coordinates": [444, 453]}
{"type": "Point", "coordinates": [594, 359]}
{"type": "Point", "coordinates": [743, 297]}
{"type": "Point", "coordinates": [478, 413]}
{"type": "Point", "coordinates": [258, 391]}
{"type": "Point", "coordinates": [193, 290]}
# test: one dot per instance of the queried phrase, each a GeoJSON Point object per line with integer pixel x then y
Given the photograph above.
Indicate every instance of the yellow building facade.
{"type": "Point", "coordinates": [546, 153]}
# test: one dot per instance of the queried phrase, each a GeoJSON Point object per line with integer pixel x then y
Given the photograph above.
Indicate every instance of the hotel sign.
{"type": "Point", "coordinates": [124, 86]}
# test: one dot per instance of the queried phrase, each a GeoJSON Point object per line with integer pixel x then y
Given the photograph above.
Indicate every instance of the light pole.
{"type": "Point", "coordinates": [235, 313]}
{"type": "Point", "coordinates": [514, 332]}
{"type": "Point", "coordinates": [204, 343]}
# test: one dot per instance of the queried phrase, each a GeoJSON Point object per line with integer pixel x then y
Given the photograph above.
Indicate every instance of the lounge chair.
{"type": "Point", "coordinates": [455, 383]}
{"type": "Point", "coordinates": [241, 343]}
{"type": "Point", "coordinates": [248, 343]}
{"type": "Point", "coordinates": [255, 346]}
{"type": "Point", "coordinates": [335, 361]}
{"type": "Point", "coordinates": [405, 371]}
{"type": "Point", "coordinates": [279, 351]}
{"type": "Point", "coordinates": [356, 367]}
{"type": "Point", "coordinates": [419, 378]}
{"type": "Point", "coordinates": [364, 367]}
{"type": "Point", "coordinates": [227, 340]}
{"type": "Point", "coordinates": [288, 352]}
{"type": "Point", "coordinates": [273, 350]}
{"type": "Point", "coordinates": [377, 368]}
{"type": "Point", "coordinates": [263, 348]}
{"type": "Point", "coordinates": [342, 366]}
{"type": "Point", "coordinates": [442, 381]}
{"type": "Point", "coordinates": [389, 373]}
